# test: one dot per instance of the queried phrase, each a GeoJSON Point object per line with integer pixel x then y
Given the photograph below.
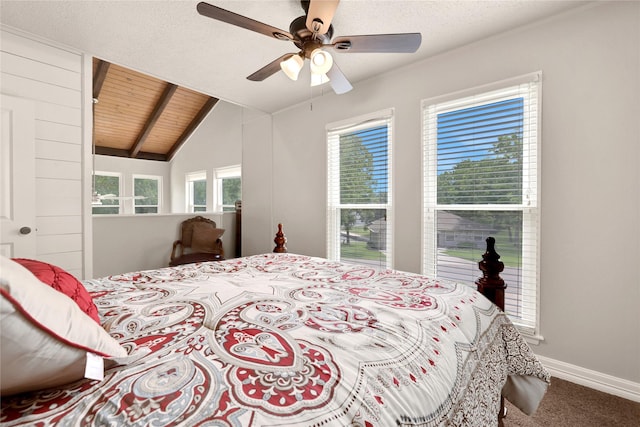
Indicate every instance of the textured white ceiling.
{"type": "Point", "coordinates": [170, 40]}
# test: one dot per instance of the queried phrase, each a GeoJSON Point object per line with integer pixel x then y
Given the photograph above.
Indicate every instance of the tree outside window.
{"type": "Point", "coordinates": [228, 187]}
{"type": "Point", "coordinates": [106, 189]}
{"type": "Point", "coordinates": [146, 194]}
{"type": "Point", "coordinates": [196, 192]}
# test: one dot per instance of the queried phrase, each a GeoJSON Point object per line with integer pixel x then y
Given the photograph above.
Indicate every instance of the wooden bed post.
{"type": "Point", "coordinates": [280, 241]}
{"type": "Point", "coordinates": [491, 284]}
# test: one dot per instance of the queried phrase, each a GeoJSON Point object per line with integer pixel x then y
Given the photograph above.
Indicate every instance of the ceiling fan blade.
{"type": "Point", "coordinates": [338, 80]}
{"type": "Point", "coordinates": [114, 197]}
{"type": "Point", "coordinates": [320, 15]}
{"type": "Point", "coordinates": [391, 43]}
{"type": "Point", "coordinates": [269, 69]}
{"type": "Point", "coordinates": [214, 12]}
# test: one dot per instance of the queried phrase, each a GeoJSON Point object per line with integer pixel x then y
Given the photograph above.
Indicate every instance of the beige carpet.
{"type": "Point", "coordinates": [567, 405]}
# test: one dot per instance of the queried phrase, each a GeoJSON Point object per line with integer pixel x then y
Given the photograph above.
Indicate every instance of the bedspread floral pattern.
{"type": "Point", "coordinates": [284, 339]}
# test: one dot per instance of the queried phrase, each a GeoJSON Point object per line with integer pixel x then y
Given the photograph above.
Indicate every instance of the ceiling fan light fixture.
{"type": "Point", "coordinates": [319, 79]}
{"type": "Point", "coordinates": [292, 66]}
{"type": "Point", "coordinates": [95, 199]}
{"type": "Point", "coordinates": [321, 61]}
{"type": "Point", "coordinates": [312, 33]}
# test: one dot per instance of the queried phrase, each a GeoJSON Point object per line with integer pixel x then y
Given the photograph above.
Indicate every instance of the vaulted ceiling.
{"type": "Point", "coordinates": [142, 117]}
{"type": "Point", "coordinates": [170, 40]}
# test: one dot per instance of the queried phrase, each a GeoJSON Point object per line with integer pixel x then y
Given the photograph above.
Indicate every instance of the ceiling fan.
{"type": "Point", "coordinates": [312, 33]}
{"type": "Point", "coordinates": [98, 198]}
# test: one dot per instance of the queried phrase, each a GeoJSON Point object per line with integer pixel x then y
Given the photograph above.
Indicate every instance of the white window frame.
{"type": "Point", "coordinates": [190, 178]}
{"type": "Point", "coordinates": [384, 117]}
{"type": "Point", "coordinates": [219, 175]}
{"type": "Point", "coordinates": [158, 180]}
{"type": "Point", "coordinates": [120, 187]}
{"type": "Point", "coordinates": [530, 88]}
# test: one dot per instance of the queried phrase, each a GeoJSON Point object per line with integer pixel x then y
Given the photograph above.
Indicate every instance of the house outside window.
{"type": "Point", "coordinates": [196, 191]}
{"type": "Point", "coordinates": [359, 210]}
{"type": "Point", "coordinates": [227, 187]}
{"type": "Point", "coordinates": [146, 194]}
{"type": "Point", "coordinates": [106, 188]}
{"type": "Point", "coordinates": [481, 179]}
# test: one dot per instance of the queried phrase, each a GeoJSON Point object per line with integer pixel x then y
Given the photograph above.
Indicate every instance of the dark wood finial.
{"type": "Point", "coordinates": [491, 284]}
{"type": "Point", "coordinates": [280, 241]}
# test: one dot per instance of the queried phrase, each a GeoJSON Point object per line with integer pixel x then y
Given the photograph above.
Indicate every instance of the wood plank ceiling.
{"type": "Point", "coordinates": [142, 117]}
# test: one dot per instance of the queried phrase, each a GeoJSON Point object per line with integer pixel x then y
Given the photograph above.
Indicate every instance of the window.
{"type": "Point", "coordinates": [359, 214]}
{"type": "Point", "coordinates": [146, 194]}
{"type": "Point", "coordinates": [228, 187]}
{"type": "Point", "coordinates": [197, 192]}
{"type": "Point", "coordinates": [481, 174]}
{"type": "Point", "coordinates": [106, 187]}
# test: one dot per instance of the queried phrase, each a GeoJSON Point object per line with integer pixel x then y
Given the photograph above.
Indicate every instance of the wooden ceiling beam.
{"type": "Point", "coordinates": [206, 108]}
{"type": "Point", "coordinates": [153, 118]}
{"type": "Point", "coordinates": [99, 77]}
{"type": "Point", "coordinates": [120, 152]}
{"type": "Point", "coordinates": [142, 117]}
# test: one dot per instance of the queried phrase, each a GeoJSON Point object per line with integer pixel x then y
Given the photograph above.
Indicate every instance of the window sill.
{"type": "Point", "coordinates": [532, 339]}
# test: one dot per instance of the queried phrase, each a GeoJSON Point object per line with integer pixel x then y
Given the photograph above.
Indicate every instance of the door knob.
{"type": "Point", "coordinates": [25, 230]}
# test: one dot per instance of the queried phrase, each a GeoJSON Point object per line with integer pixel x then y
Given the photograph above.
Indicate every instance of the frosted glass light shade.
{"type": "Point", "coordinates": [321, 61]}
{"type": "Point", "coordinates": [292, 66]}
{"type": "Point", "coordinates": [318, 79]}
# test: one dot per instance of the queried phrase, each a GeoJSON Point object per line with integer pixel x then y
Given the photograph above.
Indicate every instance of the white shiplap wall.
{"type": "Point", "coordinates": [52, 77]}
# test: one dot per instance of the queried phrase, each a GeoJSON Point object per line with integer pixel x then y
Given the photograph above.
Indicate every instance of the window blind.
{"type": "Point", "coordinates": [481, 170]}
{"type": "Point", "coordinates": [359, 199]}
{"type": "Point", "coordinates": [196, 191]}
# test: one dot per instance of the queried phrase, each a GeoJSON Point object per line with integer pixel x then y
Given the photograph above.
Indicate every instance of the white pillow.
{"type": "Point", "coordinates": [45, 335]}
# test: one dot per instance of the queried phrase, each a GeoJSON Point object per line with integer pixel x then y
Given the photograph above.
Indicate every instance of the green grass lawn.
{"type": "Point", "coordinates": [359, 250]}
{"type": "Point", "coordinates": [510, 256]}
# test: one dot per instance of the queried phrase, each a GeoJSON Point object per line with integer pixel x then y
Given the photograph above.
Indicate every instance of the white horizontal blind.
{"type": "Point", "coordinates": [481, 172]}
{"type": "Point", "coordinates": [359, 191]}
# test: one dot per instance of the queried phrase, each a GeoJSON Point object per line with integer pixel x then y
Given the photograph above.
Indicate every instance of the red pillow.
{"type": "Point", "coordinates": [64, 282]}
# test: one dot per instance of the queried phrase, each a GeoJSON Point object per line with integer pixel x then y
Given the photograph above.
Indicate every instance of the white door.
{"type": "Point", "coordinates": [17, 178]}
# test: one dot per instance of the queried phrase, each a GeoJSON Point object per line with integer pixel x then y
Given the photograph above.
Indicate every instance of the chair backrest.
{"type": "Point", "coordinates": [200, 235]}
{"type": "Point", "coordinates": [199, 223]}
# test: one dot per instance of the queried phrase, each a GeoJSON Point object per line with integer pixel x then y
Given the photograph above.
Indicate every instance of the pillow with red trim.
{"type": "Point", "coordinates": [62, 281]}
{"type": "Point", "coordinates": [44, 335]}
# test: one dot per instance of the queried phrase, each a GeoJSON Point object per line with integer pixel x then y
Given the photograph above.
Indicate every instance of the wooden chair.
{"type": "Point", "coordinates": [199, 242]}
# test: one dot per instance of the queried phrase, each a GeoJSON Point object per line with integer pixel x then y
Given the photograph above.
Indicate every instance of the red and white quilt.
{"type": "Point", "coordinates": [291, 340]}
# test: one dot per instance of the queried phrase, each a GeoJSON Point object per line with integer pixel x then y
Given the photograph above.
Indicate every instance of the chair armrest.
{"type": "Point", "coordinates": [219, 244]}
{"type": "Point", "coordinates": [177, 245]}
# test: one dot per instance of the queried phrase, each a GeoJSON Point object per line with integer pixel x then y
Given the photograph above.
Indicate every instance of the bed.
{"type": "Point", "coordinates": [277, 339]}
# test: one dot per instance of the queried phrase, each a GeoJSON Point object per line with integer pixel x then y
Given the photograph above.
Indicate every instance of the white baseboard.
{"type": "Point", "coordinates": [592, 379]}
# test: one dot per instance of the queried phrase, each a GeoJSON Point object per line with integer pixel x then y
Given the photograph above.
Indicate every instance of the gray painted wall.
{"type": "Point", "coordinates": [590, 279]}
{"type": "Point", "coordinates": [125, 243]}
{"type": "Point", "coordinates": [216, 143]}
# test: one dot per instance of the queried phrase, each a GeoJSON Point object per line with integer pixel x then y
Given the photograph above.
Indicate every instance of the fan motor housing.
{"type": "Point", "coordinates": [302, 36]}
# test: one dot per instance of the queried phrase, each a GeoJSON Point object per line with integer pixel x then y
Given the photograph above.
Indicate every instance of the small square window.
{"type": "Point", "coordinates": [146, 194]}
